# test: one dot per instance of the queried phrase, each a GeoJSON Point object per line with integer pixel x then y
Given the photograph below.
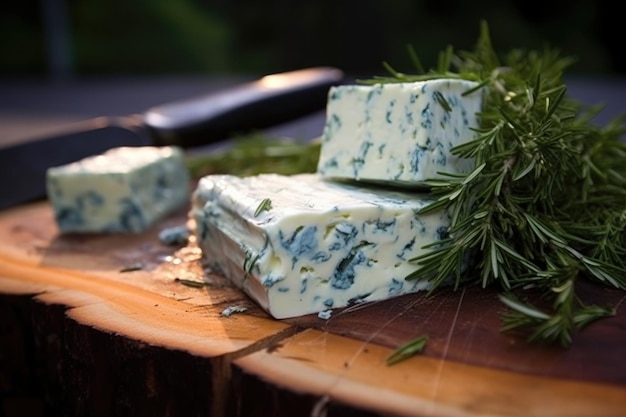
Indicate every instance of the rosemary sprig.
{"type": "Point", "coordinates": [255, 154]}
{"type": "Point", "coordinates": [545, 205]}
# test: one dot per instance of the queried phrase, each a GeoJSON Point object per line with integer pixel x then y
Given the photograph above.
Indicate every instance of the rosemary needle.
{"type": "Point", "coordinates": [192, 283]}
{"type": "Point", "coordinates": [264, 205]}
{"type": "Point", "coordinates": [407, 350]}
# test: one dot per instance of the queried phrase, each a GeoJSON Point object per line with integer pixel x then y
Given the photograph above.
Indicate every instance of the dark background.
{"type": "Point", "coordinates": [73, 38]}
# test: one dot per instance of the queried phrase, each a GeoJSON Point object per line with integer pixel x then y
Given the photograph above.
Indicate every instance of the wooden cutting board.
{"type": "Point", "coordinates": [108, 325]}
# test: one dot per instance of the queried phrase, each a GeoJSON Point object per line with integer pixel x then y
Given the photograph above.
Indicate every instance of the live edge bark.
{"type": "Point", "coordinates": [71, 369]}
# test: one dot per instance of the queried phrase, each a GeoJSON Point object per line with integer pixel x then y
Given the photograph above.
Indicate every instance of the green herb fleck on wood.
{"type": "Point", "coordinates": [408, 350]}
{"type": "Point", "coordinates": [192, 283]}
{"type": "Point", "coordinates": [131, 268]}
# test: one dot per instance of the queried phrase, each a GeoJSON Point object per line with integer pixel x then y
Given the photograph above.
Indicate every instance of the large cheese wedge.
{"type": "Point", "coordinates": [300, 244]}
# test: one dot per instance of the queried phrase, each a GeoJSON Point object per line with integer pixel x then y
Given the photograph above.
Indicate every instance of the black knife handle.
{"type": "Point", "coordinates": [268, 101]}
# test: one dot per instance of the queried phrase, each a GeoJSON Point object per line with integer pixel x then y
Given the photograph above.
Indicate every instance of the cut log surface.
{"type": "Point", "coordinates": [124, 325]}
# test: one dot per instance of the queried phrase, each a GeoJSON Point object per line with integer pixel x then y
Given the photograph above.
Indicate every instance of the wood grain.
{"type": "Point", "coordinates": [79, 334]}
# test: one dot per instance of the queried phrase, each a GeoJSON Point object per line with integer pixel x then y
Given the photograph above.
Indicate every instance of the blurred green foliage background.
{"type": "Point", "coordinates": [105, 37]}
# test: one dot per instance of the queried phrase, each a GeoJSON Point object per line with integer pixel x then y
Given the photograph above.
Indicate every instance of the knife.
{"type": "Point", "coordinates": [194, 122]}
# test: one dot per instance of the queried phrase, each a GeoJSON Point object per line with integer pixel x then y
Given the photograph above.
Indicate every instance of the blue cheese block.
{"type": "Point", "coordinates": [398, 133]}
{"type": "Point", "coordinates": [125, 189]}
{"type": "Point", "coordinates": [300, 244]}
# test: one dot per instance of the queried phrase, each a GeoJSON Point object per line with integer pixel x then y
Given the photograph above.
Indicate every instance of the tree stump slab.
{"type": "Point", "coordinates": [125, 325]}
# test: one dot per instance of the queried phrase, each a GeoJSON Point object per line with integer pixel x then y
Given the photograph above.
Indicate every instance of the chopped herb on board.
{"type": "Point", "coordinates": [408, 350]}
{"type": "Point", "coordinates": [544, 207]}
{"type": "Point", "coordinates": [192, 283]}
{"type": "Point", "coordinates": [131, 268]}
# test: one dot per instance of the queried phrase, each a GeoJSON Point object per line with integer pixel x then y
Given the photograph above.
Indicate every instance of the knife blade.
{"type": "Point", "coordinates": [194, 122]}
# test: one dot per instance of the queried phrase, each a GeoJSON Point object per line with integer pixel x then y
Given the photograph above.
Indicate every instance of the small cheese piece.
{"type": "Point", "coordinates": [398, 133]}
{"type": "Point", "coordinates": [299, 244]}
{"type": "Point", "coordinates": [125, 189]}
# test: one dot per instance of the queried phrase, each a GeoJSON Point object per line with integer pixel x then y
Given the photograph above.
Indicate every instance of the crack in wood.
{"type": "Point", "coordinates": [222, 367]}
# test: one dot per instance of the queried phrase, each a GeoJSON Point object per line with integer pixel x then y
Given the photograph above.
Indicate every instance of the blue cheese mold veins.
{"type": "Point", "coordinates": [323, 245]}
{"type": "Point", "coordinates": [399, 133]}
{"type": "Point", "coordinates": [126, 189]}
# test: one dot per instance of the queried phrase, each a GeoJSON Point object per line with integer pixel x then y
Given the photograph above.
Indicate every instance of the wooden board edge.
{"type": "Point", "coordinates": [356, 374]}
{"type": "Point", "coordinates": [139, 314]}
